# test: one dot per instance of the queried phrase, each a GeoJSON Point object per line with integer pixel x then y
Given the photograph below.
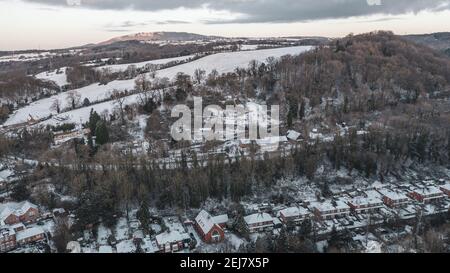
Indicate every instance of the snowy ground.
{"type": "Point", "coordinates": [228, 62]}
{"type": "Point", "coordinates": [59, 78]}
{"type": "Point", "coordinates": [223, 62]}
{"type": "Point", "coordinates": [123, 67]}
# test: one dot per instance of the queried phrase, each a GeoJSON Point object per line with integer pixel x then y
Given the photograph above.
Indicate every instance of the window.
{"type": "Point", "coordinates": [215, 236]}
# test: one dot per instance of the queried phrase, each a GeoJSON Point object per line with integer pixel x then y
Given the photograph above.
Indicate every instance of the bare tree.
{"type": "Point", "coordinates": [56, 105]}
{"type": "Point", "coordinates": [199, 75]}
{"type": "Point", "coordinates": [73, 99]}
{"type": "Point", "coordinates": [62, 234]}
{"type": "Point", "coordinates": [143, 84]}
{"type": "Point", "coordinates": [119, 100]}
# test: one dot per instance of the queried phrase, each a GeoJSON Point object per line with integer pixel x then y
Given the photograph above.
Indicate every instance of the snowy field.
{"type": "Point", "coordinates": [41, 108]}
{"type": "Point", "coordinates": [123, 67]}
{"type": "Point", "coordinates": [223, 62]}
{"type": "Point", "coordinates": [228, 62]}
{"type": "Point", "coordinates": [60, 79]}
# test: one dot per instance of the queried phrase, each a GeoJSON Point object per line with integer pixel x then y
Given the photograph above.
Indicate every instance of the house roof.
{"type": "Point", "coordinates": [15, 208]}
{"type": "Point", "coordinates": [294, 212]}
{"type": "Point", "coordinates": [105, 249]}
{"type": "Point", "coordinates": [293, 135]}
{"type": "Point", "coordinates": [6, 231]}
{"type": "Point", "coordinates": [446, 187]}
{"type": "Point", "coordinates": [27, 233]}
{"type": "Point", "coordinates": [329, 205]}
{"type": "Point", "coordinates": [258, 218]}
{"type": "Point", "coordinates": [428, 191]}
{"type": "Point", "coordinates": [169, 237]}
{"type": "Point", "coordinates": [394, 195]}
{"type": "Point", "coordinates": [220, 219]}
{"type": "Point", "coordinates": [205, 221]}
{"type": "Point", "coordinates": [271, 140]}
{"type": "Point", "coordinates": [358, 201]}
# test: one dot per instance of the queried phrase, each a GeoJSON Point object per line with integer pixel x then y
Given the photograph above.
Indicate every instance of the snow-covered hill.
{"type": "Point", "coordinates": [123, 67]}
{"type": "Point", "coordinates": [158, 36]}
{"type": "Point", "coordinates": [223, 62]}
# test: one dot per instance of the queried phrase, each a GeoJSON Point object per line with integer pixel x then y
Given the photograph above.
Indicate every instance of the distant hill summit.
{"type": "Point", "coordinates": [159, 36]}
{"type": "Point", "coordinates": [439, 40]}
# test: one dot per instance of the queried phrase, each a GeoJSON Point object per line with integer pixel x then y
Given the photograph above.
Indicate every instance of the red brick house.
{"type": "Point", "coordinates": [30, 235]}
{"type": "Point", "coordinates": [394, 199]}
{"type": "Point", "coordinates": [171, 241]}
{"type": "Point", "coordinates": [365, 204]}
{"type": "Point", "coordinates": [427, 195]}
{"type": "Point", "coordinates": [446, 189]}
{"type": "Point", "coordinates": [329, 210]}
{"type": "Point", "coordinates": [293, 215]}
{"type": "Point", "coordinates": [14, 213]}
{"type": "Point", "coordinates": [210, 229]}
{"type": "Point", "coordinates": [7, 239]}
{"type": "Point", "coordinates": [259, 222]}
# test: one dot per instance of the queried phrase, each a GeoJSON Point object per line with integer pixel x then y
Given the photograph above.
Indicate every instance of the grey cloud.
{"type": "Point", "coordinates": [172, 22]}
{"type": "Point", "coordinates": [256, 11]}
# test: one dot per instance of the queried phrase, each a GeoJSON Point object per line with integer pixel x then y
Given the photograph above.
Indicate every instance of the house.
{"type": "Point", "coordinates": [271, 143]}
{"type": "Point", "coordinates": [446, 189]}
{"type": "Point", "coordinates": [30, 235]}
{"type": "Point", "coordinates": [293, 215]}
{"type": "Point", "coordinates": [105, 250]}
{"type": "Point", "coordinates": [73, 247]}
{"type": "Point", "coordinates": [172, 241]}
{"type": "Point", "coordinates": [209, 228]}
{"type": "Point", "coordinates": [427, 194]}
{"type": "Point", "coordinates": [7, 239]}
{"type": "Point", "coordinates": [330, 209]}
{"type": "Point", "coordinates": [14, 213]}
{"type": "Point", "coordinates": [18, 227]}
{"type": "Point", "coordinates": [293, 136]}
{"type": "Point", "coordinates": [365, 204]}
{"type": "Point", "coordinates": [259, 222]}
{"type": "Point", "coordinates": [221, 220]}
{"type": "Point", "coordinates": [59, 212]}
{"type": "Point", "coordinates": [394, 199]}
{"type": "Point", "coordinates": [61, 137]}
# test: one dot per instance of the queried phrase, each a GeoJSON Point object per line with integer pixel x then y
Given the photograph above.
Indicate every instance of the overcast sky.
{"type": "Point", "coordinates": [61, 23]}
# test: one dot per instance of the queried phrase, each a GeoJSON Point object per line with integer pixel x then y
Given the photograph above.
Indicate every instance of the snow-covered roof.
{"type": "Point", "coordinates": [5, 174]}
{"type": "Point", "coordinates": [17, 226]}
{"type": "Point", "coordinates": [293, 135]}
{"type": "Point", "coordinates": [105, 249]}
{"type": "Point", "coordinates": [294, 212]}
{"type": "Point", "coordinates": [271, 140]}
{"type": "Point", "coordinates": [220, 219]}
{"type": "Point", "coordinates": [28, 233]}
{"type": "Point", "coordinates": [258, 218]}
{"type": "Point", "coordinates": [169, 237]}
{"type": "Point", "coordinates": [429, 191]}
{"type": "Point", "coordinates": [204, 221]}
{"type": "Point", "coordinates": [126, 246]}
{"type": "Point", "coordinates": [393, 195]}
{"type": "Point", "coordinates": [15, 208]}
{"type": "Point", "coordinates": [358, 201]}
{"type": "Point", "coordinates": [446, 187]}
{"type": "Point", "coordinates": [329, 205]}
{"type": "Point", "coordinates": [6, 231]}
{"type": "Point", "coordinates": [73, 247]}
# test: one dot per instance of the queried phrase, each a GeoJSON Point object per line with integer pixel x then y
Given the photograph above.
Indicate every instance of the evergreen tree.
{"type": "Point", "coordinates": [102, 133]}
{"type": "Point", "coordinates": [94, 118]}
{"type": "Point", "coordinates": [302, 112]}
{"type": "Point", "coordinates": [20, 192]}
{"type": "Point", "coordinates": [144, 217]}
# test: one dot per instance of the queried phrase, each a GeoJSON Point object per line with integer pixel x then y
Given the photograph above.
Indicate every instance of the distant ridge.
{"type": "Point", "coordinates": [159, 36]}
